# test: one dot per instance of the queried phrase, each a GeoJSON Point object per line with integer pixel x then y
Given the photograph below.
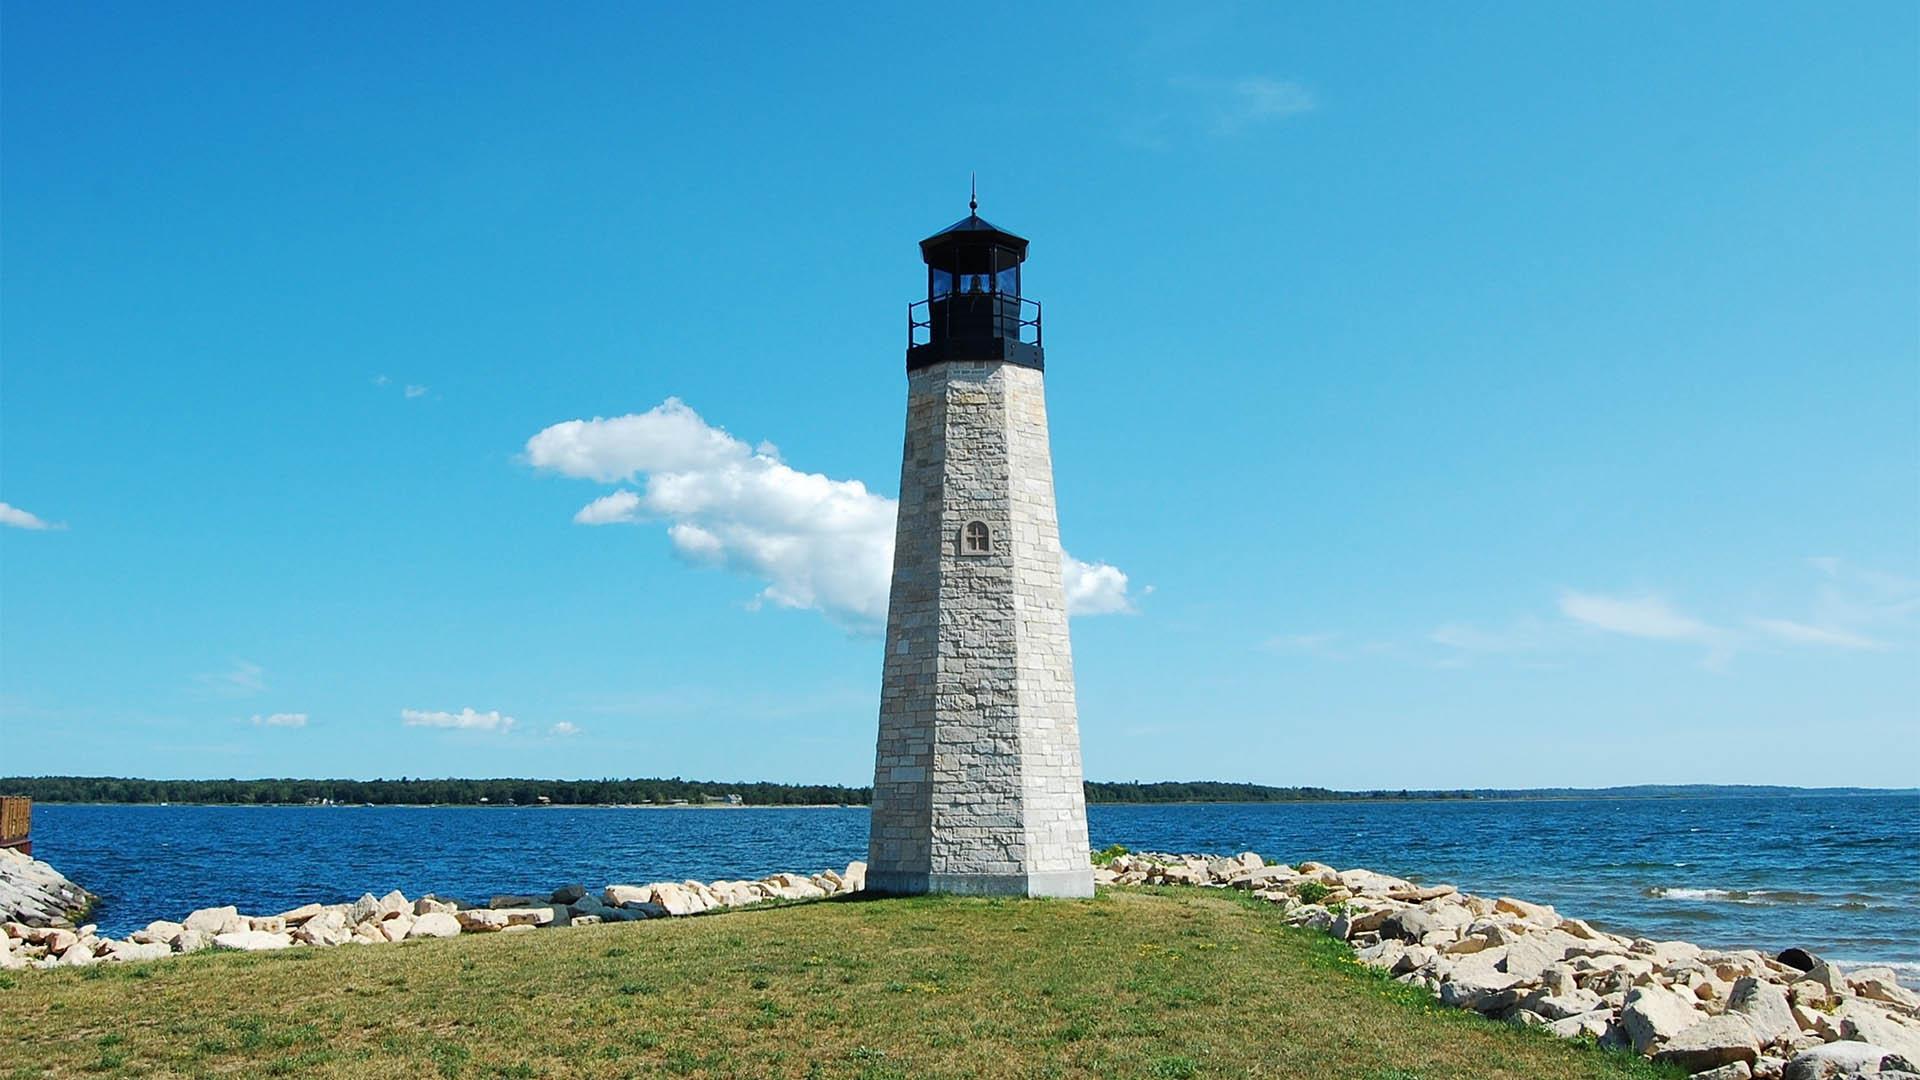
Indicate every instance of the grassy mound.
{"type": "Point", "coordinates": [1146, 983]}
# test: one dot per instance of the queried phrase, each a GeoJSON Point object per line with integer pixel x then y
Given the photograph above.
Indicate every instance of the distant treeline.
{"type": "Point", "coordinates": [110, 789]}
{"type": "Point", "coordinates": [510, 792]}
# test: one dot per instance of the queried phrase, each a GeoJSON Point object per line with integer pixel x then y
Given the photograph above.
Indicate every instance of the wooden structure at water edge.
{"type": "Point", "coordinates": [16, 823]}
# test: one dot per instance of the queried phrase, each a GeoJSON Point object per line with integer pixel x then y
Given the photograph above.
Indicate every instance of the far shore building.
{"type": "Point", "coordinates": [977, 779]}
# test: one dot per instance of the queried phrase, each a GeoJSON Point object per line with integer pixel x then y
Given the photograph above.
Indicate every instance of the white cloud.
{"type": "Point", "coordinates": [244, 679]}
{"type": "Point", "coordinates": [1800, 633]}
{"type": "Point", "coordinates": [818, 543]}
{"type": "Point", "coordinates": [465, 720]}
{"type": "Point", "coordinates": [280, 719]}
{"type": "Point", "coordinates": [563, 728]}
{"type": "Point", "coordinates": [17, 518]}
{"type": "Point", "coordinates": [414, 391]}
{"type": "Point", "coordinates": [1095, 588]}
{"type": "Point", "coordinates": [381, 380]}
{"type": "Point", "coordinates": [620, 506]}
{"type": "Point", "coordinates": [1234, 105]}
{"type": "Point", "coordinates": [1646, 616]}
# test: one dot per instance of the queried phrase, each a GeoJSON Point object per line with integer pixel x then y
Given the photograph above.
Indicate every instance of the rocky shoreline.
{"type": "Point", "coordinates": [55, 943]}
{"type": "Point", "coordinates": [1720, 1014]}
{"type": "Point", "coordinates": [34, 893]}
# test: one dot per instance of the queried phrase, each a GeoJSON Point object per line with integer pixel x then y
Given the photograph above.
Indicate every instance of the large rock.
{"type": "Point", "coordinates": [1595, 1024]}
{"type": "Point", "coordinates": [1530, 955]}
{"type": "Point", "coordinates": [855, 877]}
{"type": "Point", "coordinates": [1575, 1002]}
{"type": "Point", "coordinates": [1828, 975]}
{"type": "Point", "coordinates": [527, 916]}
{"type": "Point", "coordinates": [1797, 958]}
{"type": "Point", "coordinates": [1476, 982]}
{"type": "Point", "coordinates": [1652, 1015]}
{"type": "Point", "coordinates": [617, 895]}
{"type": "Point", "coordinates": [329, 927]}
{"type": "Point", "coordinates": [33, 893]}
{"type": "Point", "coordinates": [365, 909]}
{"type": "Point", "coordinates": [159, 930]}
{"type": "Point", "coordinates": [676, 899]}
{"type": "Point", "coordinates": [568, 894]}
{"type": "Point", "coordinates": [482, 920]}
{"type": "Point", "coordinates": [1539, 915]}
{"type": "Point", "coordinates": [1764, 1007]}
{"type": "Point", "coordinates": [1844, 1059]}
{"type": "Point", "coordinates": [1711, 1043]}
{"type": "Point", "coordinates": [1419, 894]}
{"type": "Point", "coordinates": [299, 915]}
{"type": "Point", "coordinates": [211, 920]}
{"type": "Point", "coordinates": [252, 940]}
{"type": "Point", "coordinates": [434, 924]}
{"type": "Point", "coordinates": [134, 950]}
{"type": "Point", "coordinates": [1882, 985]}
{"type": "Point", "coordinates": [1409, 924]}
{"type": "Point", "coordinates": [1859, 1021]}
{"type": "Point", "coordinates": [1368, 883]}
{"type": "Point", "coordinates": [1262, 878]}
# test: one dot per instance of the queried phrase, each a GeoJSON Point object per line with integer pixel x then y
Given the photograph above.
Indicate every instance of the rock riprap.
{"type": "Point", "coordinates": [373, 920]}
{"type": "Point", "coordinates": [1719, 1014]}
{"type": "Point", "coordinates": [35, 894]}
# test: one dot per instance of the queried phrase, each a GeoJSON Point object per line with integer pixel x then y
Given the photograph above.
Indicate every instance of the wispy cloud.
{"type": "Point", "coordinates": [280, 719]}
{"type": "Point", "coordinates": [817, 543]}
{"type": "Point", "coordinates": [1233, 106]}
{"type": "Point", "coordinates": [243, 679]}
{"type": "Point", "coordinates": [1854, 610]}
{"type": "Point", "coordinates": [414, 391]}
{"type": "Point", "coordinates": [1645, 616]}
{"type": "Point", "coordinates": [464, 720]}
{"type": "Point", "coordinates": [16, 518]}
{"type": "Point", "coordinates": [1800, 633]}
{"type": "Point", "coordinates": [563, 729]}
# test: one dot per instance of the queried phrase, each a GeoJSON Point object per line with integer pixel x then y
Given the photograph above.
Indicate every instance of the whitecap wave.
{"type": "Point", "coordinates": [1743, 896]}
{"type": "Point", "coordinates": [1663, 892]}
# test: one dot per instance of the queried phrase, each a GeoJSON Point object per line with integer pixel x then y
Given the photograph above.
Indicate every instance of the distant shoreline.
{"type": "Point", "coordinates": [1545, 795]}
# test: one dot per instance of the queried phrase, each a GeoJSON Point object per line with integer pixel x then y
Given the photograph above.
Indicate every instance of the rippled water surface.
{"type": "Point", "coordinates": [1839, 874]}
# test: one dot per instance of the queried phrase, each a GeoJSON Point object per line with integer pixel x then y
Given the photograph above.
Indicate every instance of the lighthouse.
{"type": "Point", "coordinates": [976, 782]}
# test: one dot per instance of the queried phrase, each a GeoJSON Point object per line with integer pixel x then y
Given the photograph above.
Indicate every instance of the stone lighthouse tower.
{"type": "Point", "coordinates": [976, 783]}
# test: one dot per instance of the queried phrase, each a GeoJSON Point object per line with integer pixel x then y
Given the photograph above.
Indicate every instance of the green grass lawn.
{"type": "Point", "coordinates": [1146, 983]}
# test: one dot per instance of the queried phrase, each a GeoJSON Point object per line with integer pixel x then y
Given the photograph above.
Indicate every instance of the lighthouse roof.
{"type": "Point", "coordinates": [974, 230]}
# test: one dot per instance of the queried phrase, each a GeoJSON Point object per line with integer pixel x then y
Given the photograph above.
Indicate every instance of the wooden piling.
{"type": "Point", "coordinates": [16, 823]}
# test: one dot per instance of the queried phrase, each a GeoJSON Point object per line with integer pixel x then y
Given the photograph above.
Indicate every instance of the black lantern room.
{"type": "Point", "coordinates": [973, 311]}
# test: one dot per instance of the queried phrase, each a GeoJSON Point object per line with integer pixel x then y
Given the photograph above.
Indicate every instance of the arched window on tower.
{"type": "Point", "coordinates": [976, 538]}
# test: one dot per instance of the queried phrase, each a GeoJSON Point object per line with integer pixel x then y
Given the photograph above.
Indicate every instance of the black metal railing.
{"type": "Point", "coordinates": [967, 315]}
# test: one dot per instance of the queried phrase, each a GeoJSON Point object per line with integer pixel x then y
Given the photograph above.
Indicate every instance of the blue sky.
{"type": "Point", "coordinates": [1509, 396]}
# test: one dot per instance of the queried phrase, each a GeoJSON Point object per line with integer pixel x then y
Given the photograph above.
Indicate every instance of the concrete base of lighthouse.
{"type": "Point", "coordinates": [1064, 884]}
{"type": "Point", "coordinates": [977, 782]}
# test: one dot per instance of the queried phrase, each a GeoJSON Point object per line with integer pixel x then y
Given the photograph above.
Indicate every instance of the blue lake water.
{"type": "Point", "coordinates": [1837, 874]}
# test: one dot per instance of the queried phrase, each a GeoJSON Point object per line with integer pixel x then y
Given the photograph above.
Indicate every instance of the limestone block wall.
{"type": "Point", "coordinates": [977, 781]}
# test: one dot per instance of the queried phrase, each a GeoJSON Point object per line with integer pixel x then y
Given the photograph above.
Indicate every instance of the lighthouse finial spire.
{"type": "Point", "coordinates": [973, 193]}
